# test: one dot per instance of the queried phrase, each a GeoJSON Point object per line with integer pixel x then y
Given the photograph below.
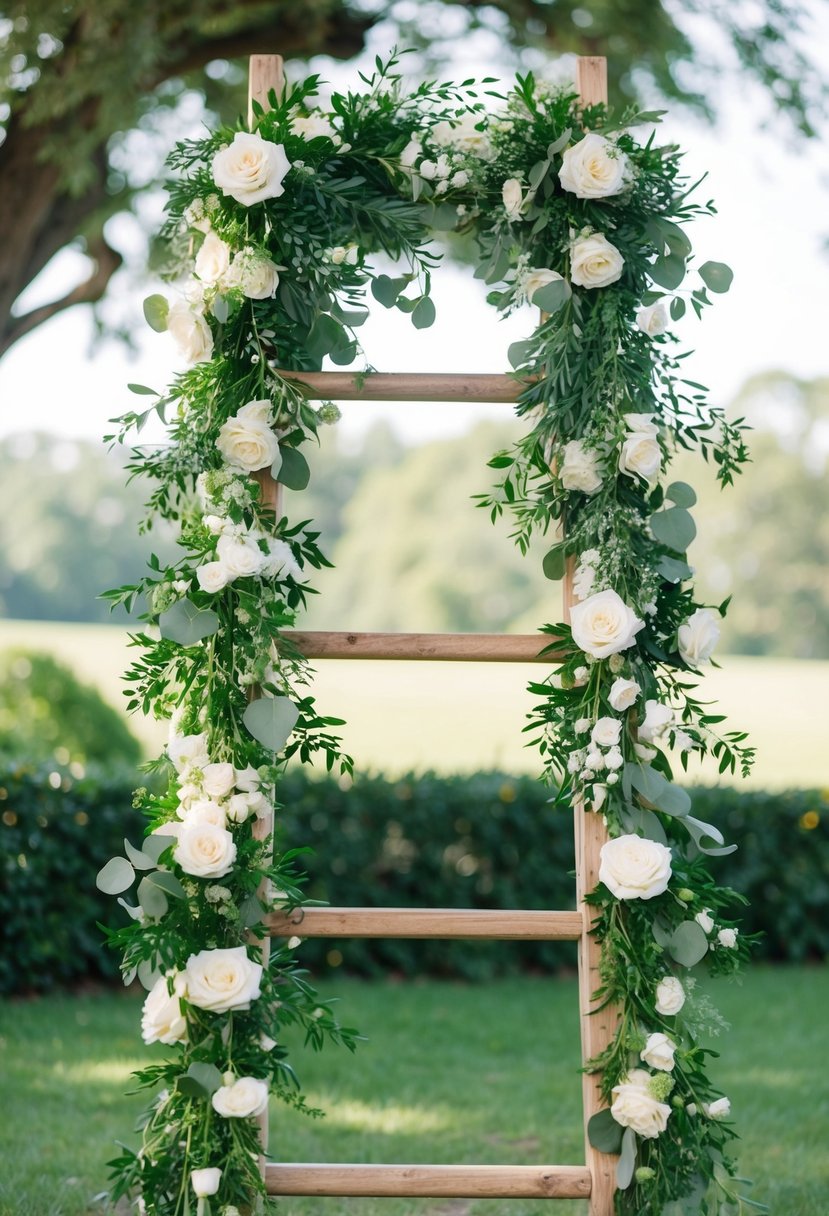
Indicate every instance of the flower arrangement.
{"type": "Point", "coordinates": [269, 235]}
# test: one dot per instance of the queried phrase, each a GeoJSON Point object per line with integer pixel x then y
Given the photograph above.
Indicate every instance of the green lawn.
{"type": "Point", "coordinates": [459, 717]}
{"type": "Point", "coordinates": [449, 1073]}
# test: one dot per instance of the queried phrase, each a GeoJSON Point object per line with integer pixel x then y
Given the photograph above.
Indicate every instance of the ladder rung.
{"type": "Point", "coordinates": [447, 647]}
{"type": "Point", "coordinates": [431, 1181]}
{"type": "Point", "coordinates": [407, 386]}
{"type": "Point", "coordinates": [510, 925]}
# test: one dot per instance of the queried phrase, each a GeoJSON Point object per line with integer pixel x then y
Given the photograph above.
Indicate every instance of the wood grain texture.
{"type": "Point", "coordinates": [514, 924]}
{"type": "Point", "coordinates": [407, 386]}
{"type": "Point", "coordinates": [431, 1181]}
{"type": "Point", "coordinates": [265, 72]}
{"type": "Point", "coordinates": [446, 647]}
{"type": "Point", "coordinates": [591, 79]}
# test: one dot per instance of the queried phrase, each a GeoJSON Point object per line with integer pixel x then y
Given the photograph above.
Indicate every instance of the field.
{"type": "Point", "coordinates": [449, 1073]}
{"type": "Point", "coordinates": [461, 717]}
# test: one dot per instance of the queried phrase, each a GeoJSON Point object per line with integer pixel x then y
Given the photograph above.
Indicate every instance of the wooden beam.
{"type": "Point", "coordinates": [514, 924]}
{"type": "Point", "coordinates": [431, 1181]}
{"type": "Point", "coordinates": [444, 647]}
{"type": "Point", "coordinates": [407, 386]}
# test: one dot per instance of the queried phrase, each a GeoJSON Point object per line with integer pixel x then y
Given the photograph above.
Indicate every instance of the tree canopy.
{"type": "Point", "coordinates": [76, 80]}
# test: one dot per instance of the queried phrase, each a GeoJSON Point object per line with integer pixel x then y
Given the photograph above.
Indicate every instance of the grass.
{"type": "Point", "coordinates": [407, 716]}
{"type": "Point", "coordinates": [449, 1073]}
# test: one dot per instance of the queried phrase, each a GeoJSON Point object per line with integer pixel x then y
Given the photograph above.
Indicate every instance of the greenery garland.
{"type": "Point", "coordinates": [267, 238]}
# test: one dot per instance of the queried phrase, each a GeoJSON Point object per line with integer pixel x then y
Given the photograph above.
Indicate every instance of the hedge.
{"type": "Point", "coordinates": [486, 841]}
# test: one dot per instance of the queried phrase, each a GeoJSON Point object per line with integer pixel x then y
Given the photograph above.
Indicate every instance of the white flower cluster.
{"type": "Point", "coordinates": [725, 937]}
{"type": "Point", "coordinates": [249, 271]}
{"type": "Point", "coordinates": [447, 154]}
{"type": "Point", "coordinates": [243, 552]}
{"type": "Point", "coordinates": [217, 980]}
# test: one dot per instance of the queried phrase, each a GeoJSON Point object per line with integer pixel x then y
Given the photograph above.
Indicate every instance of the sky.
{"type": "Point", "coordinates": [771, 228]}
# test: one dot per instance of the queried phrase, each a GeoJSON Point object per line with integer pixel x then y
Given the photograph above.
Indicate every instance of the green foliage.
{"type": "Point", "coordinates": [47, 713]}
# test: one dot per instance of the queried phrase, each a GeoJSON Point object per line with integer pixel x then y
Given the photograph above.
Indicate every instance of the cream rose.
{"type": "Point", "coordinates": [188, 751]}
{"type": "Point", "coordinates": [206, 1182]}
{"type": "Point", "coordinates": [705, 920]}
{"type": "Point", "coordinates": [670, 996]}
{"type": "Point", "coordinates": [204, 810]}
{"type": "Point", "coordinates": [239, 808]}
{"type": "Point", "coordinates": [213, 259]}
{"type": "Point", "coordinates": [698, 636]}
{"type": "Point", "coordinates": [641, 456]}
{"type": "Point", "coordinates": [719, 1109]}
{"type": "Point", "coordinates": [606, 732]}
{"type": "Point", "coordinates": [658, 1052]}
{"type": "Point", "coordinates": [594, 262]}
{"type": "Point", "coordinates": [279, 561]}
{"type": "Point", "coordinates": [512, 195]}
{"type": "Point", "coordinates": [635, 1106]}
{"type": "Point", "coordinates": [218, 779]}
{"type": "Point", "coordinates": [254, 274]}
{"type": "Point", "coordinates": [240, 556]}
{"type": "Point", "coordinates": [580, 468]}
{"type": "Point", "coordinates": [593, 168]}
{"type": "Point", "coordinates": [657, 718]}
{"type": "Point", "coordinates": [603, 624]}
{"type": "Point", "coordinates": [248, 778]}
{"type": "Point", "coordinates": [623, 693]}
{"type": "Point", "coordinates": [247, 441]}
{"type": "Point", "coordinates": [241, 1100]}
{"type": "Point", "coordinates": [462, 133]}
{"type": "Point", "coordinates": [161, 1019]}
{"type": "Point", "coordinates": [250, 169]}
{"type": "Point", "coordinates": [221, 980]}
{"type": "Point", "coordinates": [190, 332]}
{"type": "Point", "coordinates": [312, 126]}
{"type": "Point", "coordinates": [212, 577]}
{"type": "Point", "coordinates": [652, 319]}
{"type": "Point", "coordinates": [728, 938]}
{"type": "Point", "coordinates": [641, 424]}
{"type": "Point", "coordinates": [535, 279]}
{"type": "Point", "coordinates": [633, 867]}
{"type": "Point", "coordinates": [205, 850]}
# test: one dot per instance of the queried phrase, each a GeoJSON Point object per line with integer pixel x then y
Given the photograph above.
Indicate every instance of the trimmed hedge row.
{"type": "Point", "coordinates": [486, 841]}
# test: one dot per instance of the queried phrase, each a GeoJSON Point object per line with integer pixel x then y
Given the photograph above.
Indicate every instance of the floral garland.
{"type": "Point", "coordinates": [268, 236]}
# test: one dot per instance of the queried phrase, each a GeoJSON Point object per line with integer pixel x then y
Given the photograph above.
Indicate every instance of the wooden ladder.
{"type": "Point", "coordinates": [596, 1178]}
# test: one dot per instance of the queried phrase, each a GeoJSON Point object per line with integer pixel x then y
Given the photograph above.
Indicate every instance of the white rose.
{"type": "Point", "coordinates": [658, 1052]}
{"type": "Point", "coordinates": [218, 779]}
{"type": "Point", "coordinates": [279, 562]}
{"type": "Point", "coordinates": [633, 867]}
{"type": "Point", "coordinates": [459, 180]}
{"type": "Point", "coordinates": [583, 580]}
{"type": "Point", "coordinates": [254, 274]}
{"type": "Point", "coordinates": [533, 280]}
{"type": "Point", "coordinates": [652, 319]}
{"type": "Point", "coordinates": [250, 169]}
{"type": "Point", "coordinates": [313, 126]}
{"type": "Point", "coordinates": [599, 796]}
{"type": "Point", "coordinates": [464, 134]}
{"type": "Point", "coordinates": [221, 980]}
{"type": "Point", "coordinates": [603, 624]}
{"type": "Point", "coordinates": [213, 259]}
{"type": "Point", "coordinates": [239, 807]}
{"type": "Point", "coordinates": [205, 1182]}
{"type": "Point", "coordinates": [644, 753]}
{"type": "Point", "coordinates": [698, 637]}
{"type": "Point", "coordinates": [720, 1109]}
{"type": "Point", "coordinates": [594, 262]}
{"type": "Point", "coordinates": [246, 441]}
{"type": "Point", "coordinates": [728, 938]}
{"type": "Point", "coordinates": [241, 1100]}
{"type": "Point", "coordinates": [641, 424]}
{"type": "Point", "coordinates": [205, 850]}
{"type": "Point", "coordinates": [705, 920]}
{"type": "Point", "coordinates": [623, 693]}
{"type": "Point", "coordinates": [213, 577]}
{"type": "Point", "coordinates": [580, 468]}
{"type": "Point", "coordinates": [428, 169]}
{"type": "Point", "coordinates": [670, 996]}
{"type": "Point", "coordinates": [513, 197]}
{"type": "Point", "coordinates": [240, 556]}
{"type": "Point", "coordinates": [204, 810]}
{"type": "Point", "coordinates": [594, 761]}
{"type": "Point", "coordinates": [614, 759]}
{"type": "Point", "coordinates": [635, 1106]}
{"type": "Point", "coordinates": [593, 168]}
{"type": "Point", "coordinates": [190, 332]}
{"type": "Point", "coordinates": [606, 732]}
{"type": "Point", "coordinates": [187, 751]}
{"type": "Point", "coordinates": [683, 741]}
{"type": "Point", "coordinates": [248, 778]}
{"type": "Point", "coordinates": [348, 254]}
{"type": "Point", "coordinates": [657, 718]}
{"type": "Point", "coordinates": [641, 456]}
{"type": "Point", "coordinates": [161, 1019]}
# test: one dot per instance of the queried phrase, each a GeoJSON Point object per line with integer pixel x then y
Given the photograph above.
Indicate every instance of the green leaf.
{"type": "Point", "coordinates": [537, 173]}
{"type": "Point", "coordinates": [716, 276]}
{"type": "Point", "coordinates": [325, 335]}
{"type": "Point", "coordinates": [604, 1133]}
{"type": "Point", "coordinates": [681, 494]}
{"type": "Point", "coordinates": [294, 472]}
{"type": "Point", "coordinates": [554, 563]}
{"type": "Point", "coordinates": [168, 883]}
{"type": "Point", "coordinates": [443, 217]}
{"type": "Point", "coordinates": [672, 569]}
{"type": "Point", "coordinates": [552, 296]}
{"type": "Point", "coordinates": [517, 353]}
{"type": "Point", "coordinates": [116, 876]}
{"type": "Point", "coordinates": [156, 309]}
{"type": "Point", "coordinates": [220, 309]}
{"type": "Point", "coordinates": [139, 859]}
{"type": "Point", "coordinates": [186, 624]}
{"type": "Point", "coordinates": [674, 528]}
{"type": "Point", "coordinates": [627, 1160]}
{"type": "Point", "coordinates": [677, 308]}
{"type": "Point", "coordinates": [668, 271]}
{"type": "Point", "coordinates": [156, 844]}
{"type": "Point", "coordinates": [424, 313]}
{"type": "Point", "coordinates": [152, 898]}
{"type": "Point", "coordinates": [658, 791]}
{"type": "Point", "coordinates": [251, 911]}
{"type": "Point", "coordinates": [559, 144]}
{"type": "Point", "coordinates": [142, 390]}
{"type": "Point", "coordinates": [352, 317]}
{"type": "Point", "coordinates": [688, 943]}
{"type": "Point", "coordinates": [386, 290]}
{"type": "Point", "coordinates": [660, 934]}
{"type": "Point", "coordinates": [270, 720]}
{"type": "Point", "coordinates": [344, 355]}
{"type": "Point", "coordinates": [276, 467]}
{"type": "Point", "coordinates": [707, 838]}
{"type": "Point", "coordinates": [205, 1075]}
{"type": "Point", "coordinates": [148, 975]}
{"type": "Point", "coordinates": [642, 822]}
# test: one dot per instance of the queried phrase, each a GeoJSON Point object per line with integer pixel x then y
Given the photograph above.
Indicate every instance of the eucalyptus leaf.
{"type": "Point", "coordinates": [187, 624]}
{"type": "Point", "coordinates": [142, 390]}
{"type": "Point", "coordinates": [604, 1133]}
{"type": "Point", "coordinates": [220, 309]}
{"type": "Point", "coordinates": [251, 911]}
{"type": "Point", "coordinates": [152, 898]}
{"type": "Point", "coordinates": [116, 876]}
{"type": "Point", "coordinates": [627, 1160]}
{"type": "Point", "coordinates": [133, 913]}
{"type": "Point", "coordinates": [537, 173]}
{"type": "Point", "coordinates": [139, 859]}
{"type": "Point", "coordinates": [344, 355]}
{"type": "Point", "coordinates": [167, 882]}
{"type": "Point", "coordinates": [658, 791]}
{"type": "Point", "coordinates": [352, 317]}
{"type": "Point", "coordinates": [688, 943]}
{"type": "Point", "coordinates": [424, 313]}
{"type": "Point", "coordinates": [325, 335]}
{"type": "Point", "coordinates": [677, 308]}
{"type": "Point", "coordinates": [673, 569]}
{"type": "Point", "coordinates": [386, 290]}
{"type": "Point", "coordinates": [642, 822]}
{"type": "Point", "coordinates": [294, 472]}
{"type": "Point", "coordinates": [156, 308]}
{"type": "Point", "coordinates": [681, 494]}
{"type": "Point", "coordinates": [707, 838]}
{"type": "Point", "coordinates": [270, 720]}
{"type": "Point", "coordinates": [668, 271]}
{"type": "Point", "coordinates": [552, 296]}
{"type": "Point", "coordinates": [147, 975]}
{"type": "Point", "coordinates": [443, 217]}
{"type": "Point", "coordinates": [155, 845]}
{"type": "Point", "coordinates": [206, 1075]}
{"type": "Point", "coordinates": [716, 276]}
{"type": "Point", "coordinates": [517, 353]}
{"type": "Point", "coordinates": [661, 935]}
{"type": "Point", "coordinates": [674, 528]}
{"type": "Point", "coordinates": [276, 466]}
{"type": "Point", "coordinates": [554, 563]}
{"type": "Point", "coordinates": [559, 144]}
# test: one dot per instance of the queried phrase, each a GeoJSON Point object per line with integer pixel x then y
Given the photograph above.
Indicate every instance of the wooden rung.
{"type": "Point", "coordinates": [511, 925]}
{"type": "Point", "coordinates": [431, 1181]}
{"type": "Point", "coordinates": [406, 386]}
{"type": "Point", "coordinates": [446, 647]}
